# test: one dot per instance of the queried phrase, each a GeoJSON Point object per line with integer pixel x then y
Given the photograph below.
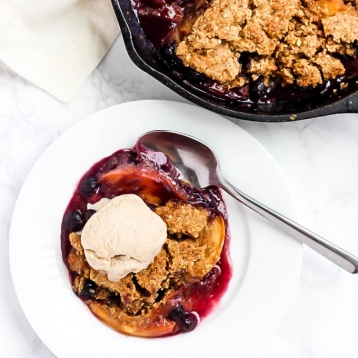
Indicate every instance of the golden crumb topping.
{"type": "Point", "coordinates": [183, 219]}
{"type": "Point", "coordinates": [292, 41]}
{"type": "Point", "coordinates": [191, 250]}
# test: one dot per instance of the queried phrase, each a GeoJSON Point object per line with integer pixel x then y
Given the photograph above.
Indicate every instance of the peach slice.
{"type": "Point", "coordinates": [331, 7]}
{"type": "Point", "coordinates": [152, 186]}
{"type": "Point", "coordinates": [150, 325]}
{"type": "Point", "coordinates": [213, 236]}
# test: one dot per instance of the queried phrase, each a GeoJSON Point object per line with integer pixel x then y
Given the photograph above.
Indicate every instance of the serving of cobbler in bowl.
{"type": "Point", "coordinates": [261, 60]}
{"type": "Point", "coordinates": [146, 252]}
{"type": "Point", "coordinates": [112, 252]}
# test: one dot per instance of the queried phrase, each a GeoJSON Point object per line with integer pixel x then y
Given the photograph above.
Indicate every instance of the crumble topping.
{"type": "Point", "coordinates": [292, 41]}
{"type": "Point", "coordinates": [343, 27]}
{"type": "Point", "coordinates": [183, 219]}
{"type": "Point", "coordinates": [186, 256]}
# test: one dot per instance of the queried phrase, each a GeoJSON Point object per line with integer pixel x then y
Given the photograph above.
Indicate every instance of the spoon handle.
{"type": "Point", "coordinates": [332, 252]}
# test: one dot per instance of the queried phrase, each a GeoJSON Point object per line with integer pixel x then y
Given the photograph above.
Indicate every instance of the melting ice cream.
{"type": "Point", "coordinates": [122, 237]}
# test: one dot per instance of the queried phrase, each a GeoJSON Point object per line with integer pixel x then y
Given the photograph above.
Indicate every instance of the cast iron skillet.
{"type": "Point", "coordinates": [147, 58]}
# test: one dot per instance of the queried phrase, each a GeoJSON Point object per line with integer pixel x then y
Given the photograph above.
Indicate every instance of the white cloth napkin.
{"type": "Point", "coordinates": [56, 44]}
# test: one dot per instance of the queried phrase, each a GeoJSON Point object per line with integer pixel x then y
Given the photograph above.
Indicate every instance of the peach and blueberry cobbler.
{"type": "Point", "coordinates": [146, 251]}
{"type": "Point", "coordinates": [256, 50]}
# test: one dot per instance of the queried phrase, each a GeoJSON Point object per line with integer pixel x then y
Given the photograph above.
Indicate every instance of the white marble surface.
{"type": "Point", "coordinates": [319, 157]}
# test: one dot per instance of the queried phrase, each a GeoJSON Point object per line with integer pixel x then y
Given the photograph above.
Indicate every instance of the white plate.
{"type": "Point", "coordinates": [266, 262]}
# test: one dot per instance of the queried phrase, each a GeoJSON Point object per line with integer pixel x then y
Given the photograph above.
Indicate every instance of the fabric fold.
{"type": "Point", "coordinates": [56, 44]}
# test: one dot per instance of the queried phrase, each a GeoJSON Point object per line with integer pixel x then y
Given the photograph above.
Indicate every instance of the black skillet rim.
{"type": "Point", "coordinates": [137, 45]}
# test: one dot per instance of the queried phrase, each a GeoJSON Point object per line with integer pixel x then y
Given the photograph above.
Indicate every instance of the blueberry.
{"type": "Point", "coordinates": [88, 289]}
{"type": "Point", "coordinates": [88, 186]}
{"type": "Point", "coordinates": [188, 322]}
{"type": "Point", "coordinates": [114, 299]}
{"type": "Point", "coordinates": [73, 221]}
{"type": "Point", "coordinates": [177, 313]}
{"type": "Point", "coordinates": [168, 50]}
{"type": "Point", "coordinates": [172, 60]}
{"type": "Point", "coordinates": [88, 214]}
{"type": "Point", "coordinates": [258, 89]}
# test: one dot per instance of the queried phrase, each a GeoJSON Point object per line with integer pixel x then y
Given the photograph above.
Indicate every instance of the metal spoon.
{"type": "Point", "coordinates": [200, 166]}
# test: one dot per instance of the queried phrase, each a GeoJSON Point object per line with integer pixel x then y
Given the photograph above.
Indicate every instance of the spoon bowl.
{"type": "Point", "coordinates": [198, 164]}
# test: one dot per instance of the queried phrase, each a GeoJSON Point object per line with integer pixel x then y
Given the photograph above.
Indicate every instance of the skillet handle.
{"type": "Point", "coordinates": [349, 104]}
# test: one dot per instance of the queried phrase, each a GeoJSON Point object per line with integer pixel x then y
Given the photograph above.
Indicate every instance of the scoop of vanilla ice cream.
{"type": "Point", "coordinates": [122, 237]}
